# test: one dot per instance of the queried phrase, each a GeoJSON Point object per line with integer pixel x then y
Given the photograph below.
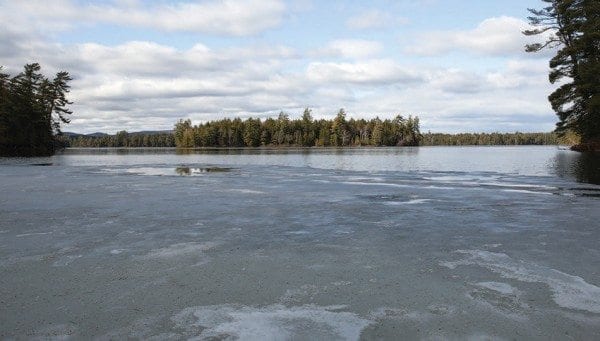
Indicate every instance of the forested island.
{"type": "Point", "coordinates": [306, 132]}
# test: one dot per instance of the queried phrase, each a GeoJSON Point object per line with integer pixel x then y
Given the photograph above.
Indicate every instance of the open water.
{"type": "Point", "coordinates": [301, 244]}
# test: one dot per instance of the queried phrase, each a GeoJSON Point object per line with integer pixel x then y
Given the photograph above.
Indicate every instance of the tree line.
{"type": "Point", "coordinates": [32, 107]}
{"type": "Point", "coordinates": [491, 139]}
{"type": "Point", "coordinates": [187, 136]}
{"type": "Point", "coordinates": [305, 132]}
{"type": "Point", "coordinates": [122, 139]}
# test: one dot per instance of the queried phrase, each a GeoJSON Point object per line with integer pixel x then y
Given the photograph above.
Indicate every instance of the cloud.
{"type": "Point", "coordinates": [371, 72]}
{"type": "Point", "coordinates": [458, 81]}
{"type": "Point", "coordinates": [139, 85]}
{"type": "Point", "coordinates": [145, 85]}
{"type": "Point", "coordinates": [499, 36]}
{"type": "Point", "coordinates": [374, 19]}
{"type": "Point", "coordinates": [351, 48]}
{"type": "Point", "coordinates": [224, 17]}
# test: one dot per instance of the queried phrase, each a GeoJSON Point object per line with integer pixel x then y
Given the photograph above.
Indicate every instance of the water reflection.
{"type": "Point", "coordinates": [522, 160]}
{"type": "Point", "coordinates": [241, 151]}
{"type": "Point", "coordinates": [299, 151]}
{"type": "Point", "coordinates": [584, 167]}
{"type": "Point", "coordinates": [116, 151]}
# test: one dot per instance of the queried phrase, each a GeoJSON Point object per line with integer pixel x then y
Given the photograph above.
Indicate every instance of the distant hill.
{"type": "Point", "coordinates": [99, 134]}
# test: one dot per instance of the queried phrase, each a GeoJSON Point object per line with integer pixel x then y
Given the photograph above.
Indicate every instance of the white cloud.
{"type": "Point", "coordinates": [226, 17]}
{"type": "Point", "coordinates": [351, 48]}
{"type": "Point", "coordinates": [500, 36]}
{"type": "Point", "coordinates": [457, 81]}
{"type": "Point", "coordinates": [146, 85]}
{"type": "Point", "coordinates": [371, 72]}
{"type": "Point", "coordinates": [373, 19]}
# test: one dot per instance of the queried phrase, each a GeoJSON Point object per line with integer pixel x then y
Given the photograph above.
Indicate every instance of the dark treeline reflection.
{"type": "Point", "coordinates": [584, 167]}
{"type": "Point", "coordinates": [164, 140]}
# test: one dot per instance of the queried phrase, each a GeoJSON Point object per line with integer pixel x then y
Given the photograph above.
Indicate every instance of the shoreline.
{"type": "Point", "coordinates": [589, 147]}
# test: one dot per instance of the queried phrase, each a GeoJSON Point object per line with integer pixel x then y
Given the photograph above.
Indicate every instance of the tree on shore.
{"type": "Point", "coordinates": [32, 108]}
{"type": "Point", "coordinates": [573, 28]}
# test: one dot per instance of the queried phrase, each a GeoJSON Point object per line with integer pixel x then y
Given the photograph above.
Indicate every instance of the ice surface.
{"type": "Point", "coordinates": [246, 191]}
{"type": "Point", "coordinates": [568, 291]}
{"type": "Point", "coordinates": [274, 322]}
{"type": "Point", "coordinates": [526, 191]}
{"type": "Point", "coordinates": [408, 202]}
{"type": "Point", "coordinates": [181, 249]}
{"type": "Point", "coordinates": [32, 234]}
{"type": "Point", "coordinates": [503, 288]}
{"type": "Point", "coordinates": [275, 246]}
{"type": "Point", "coordinates": [384, 184]}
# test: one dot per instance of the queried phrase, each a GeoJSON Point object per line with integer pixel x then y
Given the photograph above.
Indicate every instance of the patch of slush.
{"type": "Point", "coordinates": [387, 313]}
{"type": "Point", "coordinates": [361, 178]}
{"type": "Point", "coordinates": [409, 202]}
{"type": "Point", "coordinates": [524, 191]}
{"type": "Point", "coordinates": [153, 171]}
{"type": "Point", "coordinates": [181, 250]}
{"type": "Point", "coordinates": [167, 171]}
{"type": "Point", "coordinates": [458, 178]}
{"type": "Point", "coordinates": [503, 288]}
{"type": "Point", "coordinates": [384, 184]}
{"type": "Point", "coordinates": [33, 234]}
{"type": "Point", "coordinates": [517, 185]}
{"type": "Point", "coordinates": [568, 291]}
{"type": "Point", "coordinates": [274, 322]}
{"type": "Point", "coordinates": [299, 232]}
{"type": "Point", "coordinates": [246, 191]}
{"type": "Point", "coordinates": [66, 260]}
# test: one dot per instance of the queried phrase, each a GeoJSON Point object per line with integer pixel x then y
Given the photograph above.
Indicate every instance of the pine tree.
{"type": "Point", "coordinates": [574, 30]}
{"type": "Point", "coordinates": [32, 107]}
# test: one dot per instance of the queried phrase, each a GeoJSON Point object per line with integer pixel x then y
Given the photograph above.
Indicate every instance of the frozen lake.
{"type": "Point", "coordinates": [386, 243]}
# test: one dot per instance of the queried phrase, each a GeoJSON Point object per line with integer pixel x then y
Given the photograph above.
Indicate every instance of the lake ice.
{"type": "Point", "coordinates": [427, 243]}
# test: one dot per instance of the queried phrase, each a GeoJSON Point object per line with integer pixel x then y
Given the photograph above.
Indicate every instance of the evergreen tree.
{"type": "Point", "coordinates": [339, 130]}
{"type": "Point", "coordinates": [574, 28]}
{"type": "Point", "coordinates": [180, 128]}
{"type": "Point", "coordinates": [252, 134]}
{"type": "Point", "coordinates": [308, 135]}
{"type": "Point", "coordinates": [32, 107]}
{"type": "Point", "coordinates": [377, 138]}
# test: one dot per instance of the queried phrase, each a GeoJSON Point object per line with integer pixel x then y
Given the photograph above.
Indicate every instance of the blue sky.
{"type": "Point", "coordinates": [138, 65]}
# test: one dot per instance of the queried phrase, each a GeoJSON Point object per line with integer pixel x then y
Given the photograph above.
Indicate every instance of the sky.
{"type": "Point", "coordinates": [143, 65]}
